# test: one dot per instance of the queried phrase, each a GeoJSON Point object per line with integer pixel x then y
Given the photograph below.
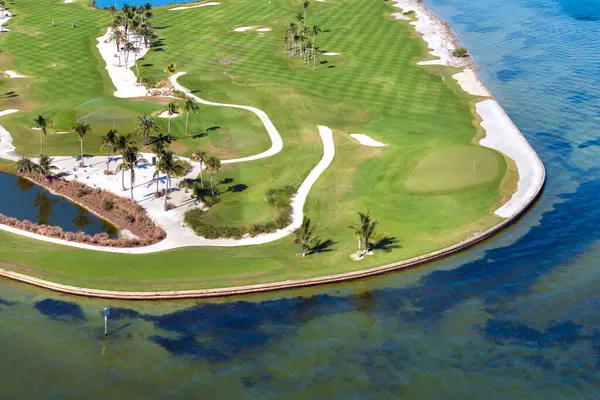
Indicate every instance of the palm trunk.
{"type": "Point", "coordinates": [41, 142]}
{"type": "Point", "coordinates": [303, 250]}
{"type": "Point", "coordinates": [212, 185]}
{"type": "Point", "coordinates": [166, 191]}
{"type": "Point", "coordinates": [359, 245]}
{"type": "Point", "coordinates": [132, 182]}
{"type": "Point", "coordinates": [187, 115]}
{"type": "Point", "coordinates": [202, 174]}
{"type": "Point", "coordinates": [108, 161]}
{"type": "Point", "coordinates": [81, 146]}
{"type": "Point", "coordinates": [136, 68]}
{"type": "Point", "coordinates": [157, 181]}
{"type": "Point", "coordinates": [145, 138]}
{"type": "Point", "coordinates": [123, 179]}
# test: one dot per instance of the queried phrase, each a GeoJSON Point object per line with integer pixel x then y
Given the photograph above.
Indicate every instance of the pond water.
{"type": "Point", "coordinates": [25, 200]}
{"type": "Point", "coordinates": [515, 318]}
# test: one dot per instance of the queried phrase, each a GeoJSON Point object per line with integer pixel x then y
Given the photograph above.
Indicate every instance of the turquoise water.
{"type": "Point", "coordinates": [28, 201]}
{"type": "Point", "coordinates": [515, 318]}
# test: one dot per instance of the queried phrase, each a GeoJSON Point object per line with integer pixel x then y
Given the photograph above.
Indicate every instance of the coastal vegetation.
{"type": "Point", "coordinates": [374, 89]}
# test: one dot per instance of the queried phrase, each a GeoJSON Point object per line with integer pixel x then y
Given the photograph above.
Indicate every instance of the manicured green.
{"type": "Point", "coordinates": [374, 87]}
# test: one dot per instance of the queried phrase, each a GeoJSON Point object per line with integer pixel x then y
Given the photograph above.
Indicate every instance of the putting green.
{"type": "Point", "coordinates": [455, 168]}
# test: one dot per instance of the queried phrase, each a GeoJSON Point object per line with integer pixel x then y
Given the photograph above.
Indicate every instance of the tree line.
{"type": "Point", "coordinates": [300, 38]}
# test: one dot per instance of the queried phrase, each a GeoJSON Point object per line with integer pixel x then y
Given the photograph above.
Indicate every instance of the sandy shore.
{"type": "Point", "coordinates": [501, 133]}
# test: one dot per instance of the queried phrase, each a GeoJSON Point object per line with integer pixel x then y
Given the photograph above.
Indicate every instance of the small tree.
{"type": "Point", "coordinates": [81, 130]}
{"type": "Point", "coordinates": [214, 165]}
{"type": "Point", "coordinates": [172, 109]}
{"type": "Point", "coordinates": [25, 166]}
{"type": "Point", "coordinates": [200, 156]}
{"type": "Point", "coordinates": [145, 126]}
{"type": "Point", "coordinates": [45, 167]}
{"type": "Point", "coordinates": [305, 5]}
{"type": "Point", "coordinates": [460, 52]}
{"type": "Point", "coordinates": [365, 231]}
{"type": "Point", "coordinates": [42, 124]}
{"type": "Point", "coordinates": [131, 157]}
{"type": "Point", "coordinates": [171, 68]}
{"type": "Point", "coordinates": [109, 142]}
{"type": "Point", "coordinates": [304, 235]}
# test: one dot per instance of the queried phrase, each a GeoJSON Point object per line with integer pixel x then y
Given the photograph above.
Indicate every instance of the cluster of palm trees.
{"type": "Point", "coordinates": [211, 163]}
{"type": "Point", "coordinates": [131, 29]}
{"type": "Point", "coordinates": [300, 37]}
{"type": "Point", "coordinates": [43, 167]}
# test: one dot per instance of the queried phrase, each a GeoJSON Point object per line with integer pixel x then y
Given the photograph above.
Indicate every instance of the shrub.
{"type": "Point", "coordinates": [151, 81]}
{"type": "Point", "coordinates": [408, 13]}
{"type": "Point", "coordinates": [83, 192]}
{"type": "Point", "coordinates": [130, 218]}
{"type": "Point", "coordinates": [460, 52]}
{"type": "Point", "coordinates": [108, 204]}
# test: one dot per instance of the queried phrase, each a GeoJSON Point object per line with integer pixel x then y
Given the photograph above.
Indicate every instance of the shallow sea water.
{"type": "Point", "coordinates": [515, 318]}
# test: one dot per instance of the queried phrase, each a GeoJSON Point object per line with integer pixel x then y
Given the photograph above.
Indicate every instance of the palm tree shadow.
{"type": "Point", "coordinates": [387, 244]}
{"type": "Point", "coordinates": [322, 246]}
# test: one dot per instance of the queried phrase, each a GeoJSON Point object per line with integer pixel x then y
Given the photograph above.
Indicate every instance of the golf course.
{"type": "Point", "coordinates": [428, 185]}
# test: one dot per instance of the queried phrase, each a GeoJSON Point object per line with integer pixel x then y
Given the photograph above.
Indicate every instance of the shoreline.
{"type": "Point", "coordinates": [439, 37]}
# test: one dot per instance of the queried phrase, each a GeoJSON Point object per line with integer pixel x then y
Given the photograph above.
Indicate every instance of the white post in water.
{"type": "Point", "coordinates": [106, 312]}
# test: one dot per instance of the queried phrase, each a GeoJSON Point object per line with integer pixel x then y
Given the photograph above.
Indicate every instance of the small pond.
{"type": "Point", "coordinates": [25, 200]}
{"type": "Point", "coordinates": [119, 3]}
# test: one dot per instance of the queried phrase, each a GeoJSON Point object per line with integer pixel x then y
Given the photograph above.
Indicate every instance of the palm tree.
{"type": "Point", "coordinates": [171, 110]}
{"type": "Point", "coordinates": [365, 230]}
{"type": "Point", "coordinates": [171, 68]}
{"type": "Point", "coordinates": [81, 130]}
{"type": "Point", "coordinates": [305, 5]}
{"type": "Point", "coordinates": [45, 167]}
{"type": "Point", "coordinates": [122, 143]}
{"type": "Point", "coordinates": [131, 157]}
{"type": "Point", "coordinates": [171, 166]}
{"type": "Point", "coordinates": [160, 143]}
{"type": "Point", "coordinates": [201, 158]}
{"type": "Point", "coordinates": [117, 36]}
{"type": "Point", "coordinates": [315, 30]}
{"type": "Point", "coordinates": [42, 124]}
{"type": "Point", "coordinates": [300, 18]}
{"type": "Point", "coordinates": [292, 30]}
{"type": "Point", "coordinates": [213, 164]}
{"type": "Point", "coordinates": [285, 39]}
{"type": "Point", "coordinates": [109, 142]}
{"type": "Point", "coordinates": [129, 47]}
{"type": "Point", "coordinates": [304, 235]}
{"type": "Point", "coordinates": [145, 126]}
{"type": "Point", "coordinates": [190, 105]}
{"type": "Point", "coordinates": [25, 166]}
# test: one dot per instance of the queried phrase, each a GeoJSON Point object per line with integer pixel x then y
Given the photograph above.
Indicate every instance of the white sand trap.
{"type": "Point", "coordinates": [4, 17]}
{"type": "Point", "coordinates": [243, 28]}
{"type": "Point", "coordinates": [210, 3]}
{"type": "Point", "coordinates": [165, 114]}
{"type": "Point", "coordinates": [320, 1]}
{"type": "Point", "coordinates": [35, 128]}
{"type": "Point", "coordinates": [263, 30]}
{"type": "Point", "coordinates": [121, 74]}
{"type": "Point", "coordinates": [6, 112]}
{"type": "Point", "coordinates": [330, 53]}
{"type": "Point", "coordinates": [62, 132]}
{"type": "Point", "coordinates": [67, 1]}
{"type": "Point", "coordinates": [366, 140]}
{"type": "Point", "coordinates": [400, 16]}
{"type": "Point", "coordinates": [7, 150]}
{"type": "Point", "coordinates": [13, 74]}
{"type": "Point", "coordinates": [502, 135]}
{"type": "Point", "coordinates": [470, 83]}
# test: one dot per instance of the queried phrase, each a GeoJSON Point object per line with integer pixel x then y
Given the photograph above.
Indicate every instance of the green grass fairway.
{"type": "Point", "coordinates": [374, 87]}
{"type": "Point", "coordinates": [454, 169]}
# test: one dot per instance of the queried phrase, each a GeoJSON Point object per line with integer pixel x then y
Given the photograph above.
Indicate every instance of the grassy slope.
{"type": "Point", "coordinates": [373, 88]}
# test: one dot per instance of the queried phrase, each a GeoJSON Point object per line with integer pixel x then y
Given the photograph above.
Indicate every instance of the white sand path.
{"type": "Point", "coordinates": [178, 235]}
{"type": "Point", "coordinates": [470, 83]}
{"type": "Point", "coordinates": [121, 75]}
{"type": "Point", "coordinates": [276, 141]}
{"type": "Point", "coordinates": [210, 3]}
{"type": "Point", "coordinates": [4, 17]}
{"type": "Point", "coordinates": [13, 75]}
{"type": "Point", "coordinates": [366, 140]}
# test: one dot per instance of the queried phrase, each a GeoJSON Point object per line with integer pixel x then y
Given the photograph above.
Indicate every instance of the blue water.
{"type": "Point", "coordinates": [119, 3]}
{"type": "Point", "coordinates": [516, 318]}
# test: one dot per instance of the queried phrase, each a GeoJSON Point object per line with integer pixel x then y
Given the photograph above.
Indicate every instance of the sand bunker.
{"type": "Point", "coordinates": [243, 28]}
{"type": "Point", "coordinates": [6, 112]}
{"type": "Point", "coordinates": [13, 74]}
{"type": "Point", "coordinates": [165, 114]}
{"type": "Point", "coordinates": [330, 53]}
{"type": "Point", "coordinates": [68, 1]}
{"type": "Point", "coordinates": [366, 140]}
{"type": "Point", "coordinates": [469, 82]}
{"type": "Point", "coordinates": [210, 3]}
{"type": "Point", "coordinates": [263, 29]}
{"type": "Point", "coordinates": [62, 132]}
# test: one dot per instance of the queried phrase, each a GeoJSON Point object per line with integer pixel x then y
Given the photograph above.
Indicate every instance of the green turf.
{"type": "Point", "coordinates": [375, 88]}
{"type": "Point", "coordinates": [455, 168]}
